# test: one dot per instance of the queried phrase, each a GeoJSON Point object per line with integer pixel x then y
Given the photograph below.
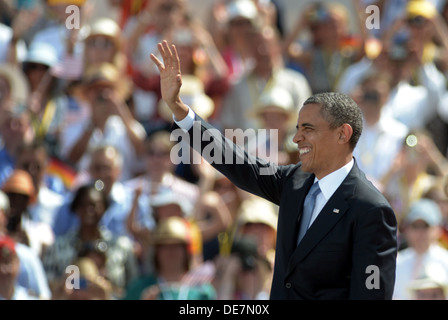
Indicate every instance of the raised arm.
{"type": "Point", "coordinates": [170, 79]}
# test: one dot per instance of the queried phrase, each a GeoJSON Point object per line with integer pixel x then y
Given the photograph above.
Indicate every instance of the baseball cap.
{"type": "Point", "coordinates": [426, 210]}
{"type": "Point", "coordinates": [421, 8]}
{"type": "Point", "coordinates": [42, 53]}
{"type": "Point", "coordinates": [242, 9]}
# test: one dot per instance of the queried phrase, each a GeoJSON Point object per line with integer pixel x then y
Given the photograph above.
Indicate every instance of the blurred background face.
{"type": "Point", "coordinates": [35, 163]}
{"type": "Point", "coordinates": [104, 167]}
{"type": "Point", "coordinates": [99, 49]}
{"type": "Point", "coordinates": [171, 257]}
{"type": "Point", "coordinates": [34, 72]}
{"type": "Point", "coordinates": [91, 209]}
{"type": "Point", "coordinates": [158, 161]}
{"type": "Point", "coordinates": [167, 13]}
{"type": "Point", "coordinates": [420, 235]}
{"type": "Point", "coordinates": [14, 129]}
{"type": "Point", "coordinates": [420, 28]}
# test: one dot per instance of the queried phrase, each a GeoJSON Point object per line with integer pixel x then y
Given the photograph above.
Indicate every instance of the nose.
{"type": "Point", "coordinates": [298, 137]}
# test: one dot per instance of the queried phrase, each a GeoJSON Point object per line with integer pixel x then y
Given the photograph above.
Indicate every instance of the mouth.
{"type": "Point", "coordinates": [304, 150]}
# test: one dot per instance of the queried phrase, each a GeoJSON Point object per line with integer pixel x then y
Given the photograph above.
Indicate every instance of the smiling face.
{"type": "Point", "coordinates": [322, 149]}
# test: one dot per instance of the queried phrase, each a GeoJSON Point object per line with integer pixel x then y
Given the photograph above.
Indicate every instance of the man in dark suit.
{"type": "Point", "coordinates": [349, 250]}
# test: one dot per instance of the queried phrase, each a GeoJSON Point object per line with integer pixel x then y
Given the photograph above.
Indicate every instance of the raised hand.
{"type": "Point", "coordinates": [170, 79]}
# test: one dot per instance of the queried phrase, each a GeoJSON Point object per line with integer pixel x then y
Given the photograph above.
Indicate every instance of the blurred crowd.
{"type": "Point", "coordinates": [92, 205]}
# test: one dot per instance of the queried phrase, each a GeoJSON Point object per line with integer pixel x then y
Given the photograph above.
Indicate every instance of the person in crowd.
{"type": "Point", "coordinates": [173, 261]}
{"type": "Point", "coordinates": [31, 275]}
{"type": "Point", "coordinates": [90, 285]}
{"type": "Point", "coordinates": [268, 72]}
{"type": "Point", "coordinates": [432, 284]}
{"type": "Point", "coordinates": [113, 254]}
{"type": "Point", "coordinates": [416, 168]}
{"type": "Point", "coordinates": [381, 131]}
{"type": "Point", "coordinates": [142, 34]}
{"type": "Point", "coordinates": [19, 188]}
{"type": "Point", "coordinates": [34, 159]}
{"type": "Point", "coordinates": [244, 274]}
{"type": "Point", "coordinates": [111, 122]}
{"type": "Point", "coordinates": [103, 43]}
{"type": "Point", "coordinates": [275, 113]}
{"type": "Point", "coordinates": [257, 219]}
{"type": "Point", "coordinates": [202, 65]}
{"type": "Point", "coordinates": [9, 271]}
{"type": "Point", "coordinates": [331, 49]}
{"type": "Point", "coordinates": [15, 122]}
{"type": "Point", "coordinates": [104, 169]}
{"type": "Point", "coordinates": [229, 24]}
{"type": "Point", "coordinates": [422, 230]}
{"type": "Point", "coordinates": [160, 173]}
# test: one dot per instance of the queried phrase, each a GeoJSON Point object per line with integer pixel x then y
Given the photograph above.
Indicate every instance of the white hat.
{"type": "Point", "coordinates": [42, 53]}
{"type": "Point", "coordinates": [242, 8]}
{"type": "Point", "coordinates": [104, 27]}
{"type": "Point", "coordinates": [165, 198]}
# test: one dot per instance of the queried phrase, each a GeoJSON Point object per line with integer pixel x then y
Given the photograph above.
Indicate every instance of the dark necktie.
{"type": "Point", "coordinates": [308, 208]}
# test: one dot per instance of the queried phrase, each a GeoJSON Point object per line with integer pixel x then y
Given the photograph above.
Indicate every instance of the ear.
{"type": "Point", "coordinates": [345, 133]}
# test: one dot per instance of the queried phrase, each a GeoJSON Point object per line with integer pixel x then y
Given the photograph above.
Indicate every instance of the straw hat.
{"type": "Point", "coordinates": [17, 82]}
{"type": "Point", "coordinates": [104, 27]}
{"type": "Point", "coordinates": [192, 93]}
{"type": "Point", "coordinates": [172, 230]}
{"type": "Point", "coordinates": [66, 2]}
{"type": "Point", "coordinates": [255, 210]}
{"type": "Point", "coordinates": [20, 182]}
{"type": "Point", "coordinates": [106, 74]}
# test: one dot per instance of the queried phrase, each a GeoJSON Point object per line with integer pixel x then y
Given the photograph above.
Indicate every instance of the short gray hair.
{"type": "Point", "coordinates": [338, 108]}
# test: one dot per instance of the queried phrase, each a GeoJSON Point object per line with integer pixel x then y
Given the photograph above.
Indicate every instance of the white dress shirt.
{"type": "Point", "coordinates": [328, 185]}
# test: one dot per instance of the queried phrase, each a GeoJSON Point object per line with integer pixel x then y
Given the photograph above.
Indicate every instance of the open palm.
{"type": "Point", "coordinates": [170, 75]}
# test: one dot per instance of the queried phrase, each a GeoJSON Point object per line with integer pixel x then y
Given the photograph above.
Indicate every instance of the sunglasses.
{"type": "Point", "coordinates": [100, 43]}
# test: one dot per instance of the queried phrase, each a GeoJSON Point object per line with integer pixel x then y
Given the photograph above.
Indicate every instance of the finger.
{"type": "Point", "coordinates": [161, 50]}
{"type": "Point", "coordinates": [158, 63]}
{"type": "Point", "coordinates": [167, 49]}
{"type": "Point", "coordinates": [176, 58]}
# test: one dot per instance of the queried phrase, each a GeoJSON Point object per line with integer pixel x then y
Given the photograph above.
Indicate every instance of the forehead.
{"type": "Point", "coordinates": [311, 113]}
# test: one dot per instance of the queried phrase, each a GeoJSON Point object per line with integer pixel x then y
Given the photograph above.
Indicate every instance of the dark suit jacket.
{"type": "Point", "coordinates": [356, 229]}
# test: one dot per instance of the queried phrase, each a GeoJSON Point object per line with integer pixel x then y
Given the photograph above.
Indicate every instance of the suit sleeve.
{"type": "Point", "coordinates": [374, 255]}
{"type": "Point", "coordinates": [246, 171]}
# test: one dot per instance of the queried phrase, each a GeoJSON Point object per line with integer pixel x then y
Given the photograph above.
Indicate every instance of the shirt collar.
{"type": "Point", "coordinates": [331, 182]}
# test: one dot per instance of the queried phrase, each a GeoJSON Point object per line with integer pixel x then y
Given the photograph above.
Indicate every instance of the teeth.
{"type": "Point", "coordinates": [303, 151]}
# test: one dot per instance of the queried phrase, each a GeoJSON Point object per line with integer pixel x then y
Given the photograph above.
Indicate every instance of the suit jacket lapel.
{"type": "Point", "coordinates": [331, 213]}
